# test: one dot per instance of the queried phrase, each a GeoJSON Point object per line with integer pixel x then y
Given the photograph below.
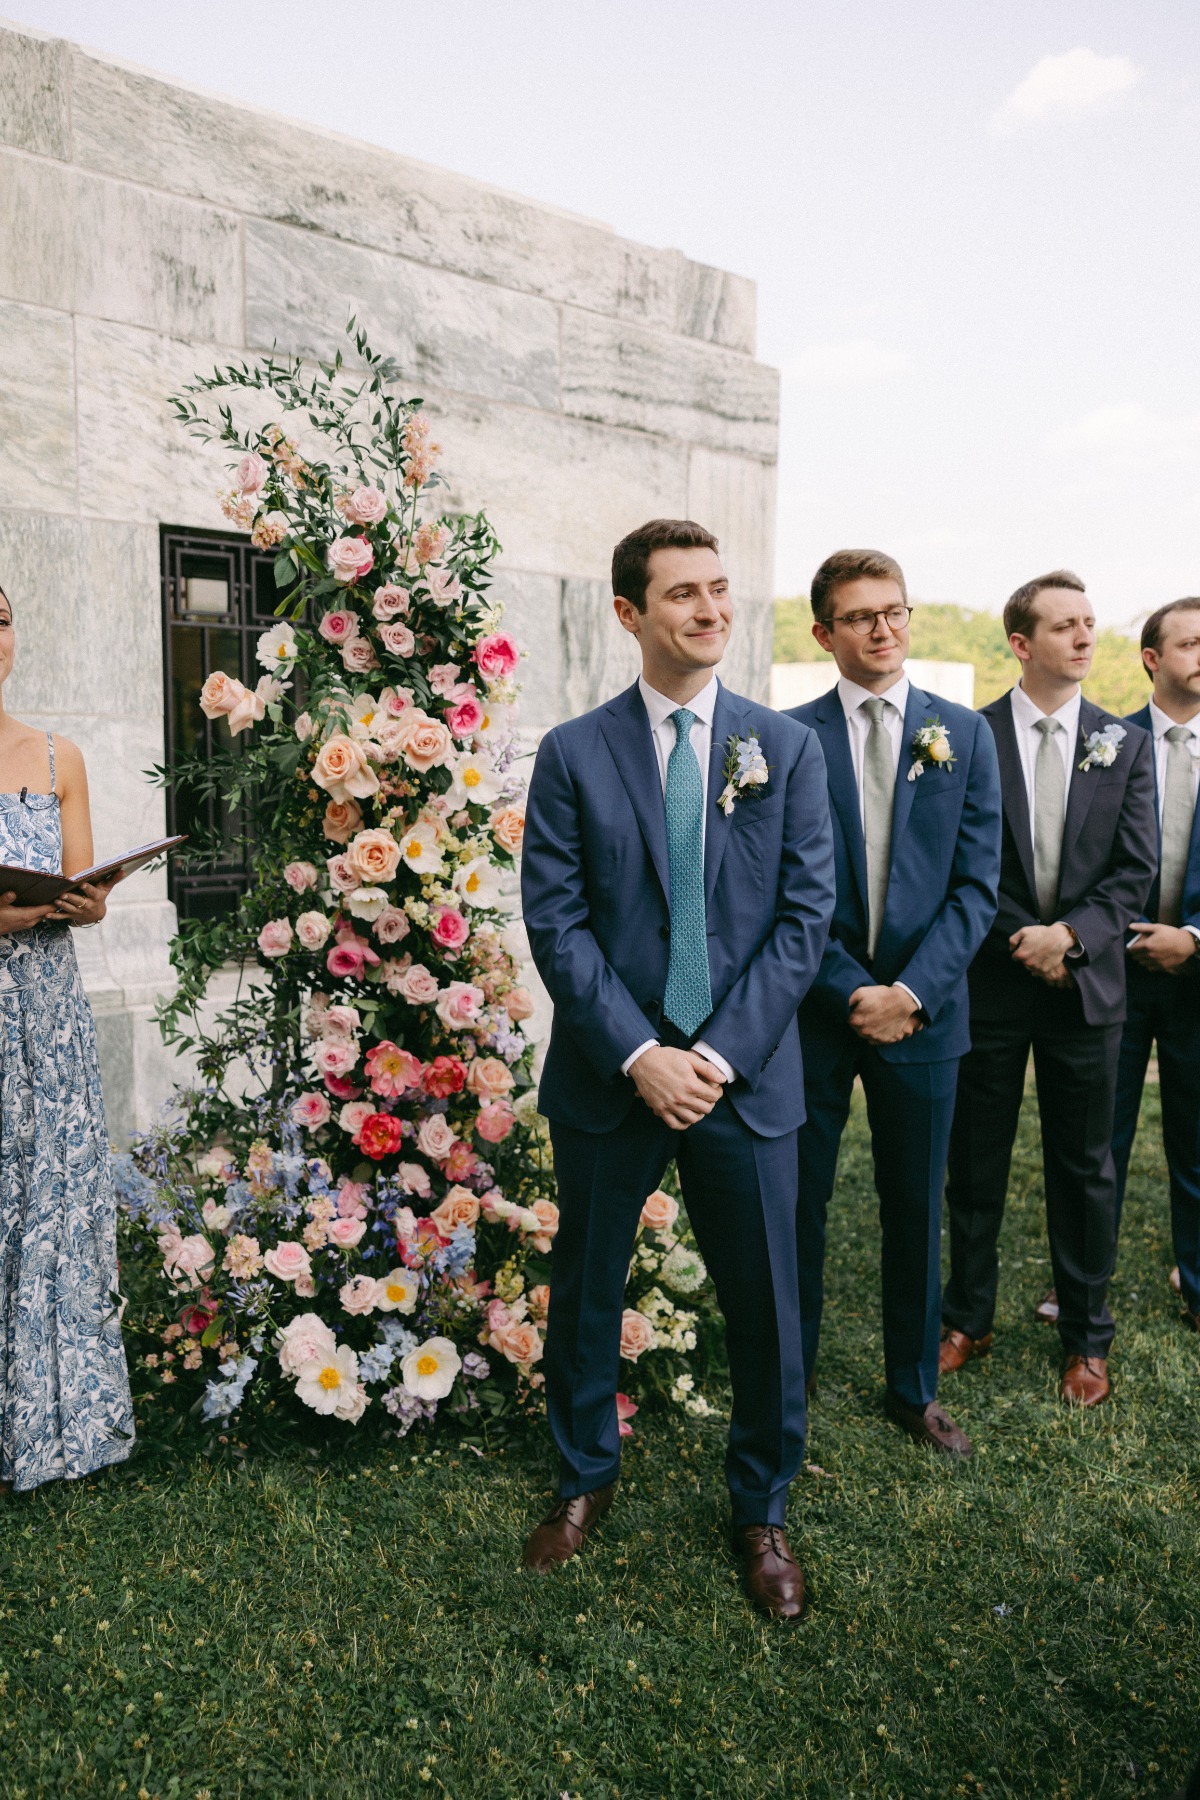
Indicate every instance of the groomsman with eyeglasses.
{"type": "Point", "coordinates": [915, 799]}
{"type": "Point", "coordinates": [1080, 851]}
{"type": "Point", "coordinates": [1163, 956]}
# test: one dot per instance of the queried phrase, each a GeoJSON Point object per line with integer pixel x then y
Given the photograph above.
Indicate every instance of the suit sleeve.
{"type": "Point", "coordinates": [1121, 893]}
{"type": "Point", "coordinates": [756, 1012]}
{"type": "Point", "coordinates": [590, 999]}
{"type": "Point", "coordinates": [948, 947]}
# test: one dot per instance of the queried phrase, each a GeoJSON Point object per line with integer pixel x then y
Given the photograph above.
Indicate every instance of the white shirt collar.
{"type": "Point", "coordinates": [660, 707]}
{"type": "Point", "coordinates": [852, 696]}
{"type": "Point", "coordinates": [1026, 713]}
{"type": "Point", "coordinates": [1161, 724]}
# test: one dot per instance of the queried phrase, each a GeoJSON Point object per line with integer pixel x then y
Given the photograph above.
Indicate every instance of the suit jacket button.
{"type": "Point", "coordinates": [664, 931]}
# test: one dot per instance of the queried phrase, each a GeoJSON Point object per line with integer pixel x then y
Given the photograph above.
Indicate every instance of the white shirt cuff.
{"type": "Point", "coordinates": [650, 1044]}
{"type": "Point", "coordinates": [716, 1059]}
{"type": "Point", "coordinates": [915, 998]}
{"type": "Point", "coordinates": [1195, 931]}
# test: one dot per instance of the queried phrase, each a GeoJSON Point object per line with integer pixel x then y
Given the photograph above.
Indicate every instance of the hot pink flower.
{"type": "Point", "coordinates": [300, 876]}
{"type": "Point", "coordinates": [465, 718]}
{"type": "Point", "coordinates": [350, 955]}
{"type": "Point", "coordinates": [390, 601]}
{"type": "Point", "coordinates": [444, 1076]}
{"type": "Point", "coordinates": [461, 1163]}
{"type": "Point", "coordinates": [339, 626]}
{"type": "Point", "coordinates": [342, 1087]}
{"type": "Point", "coordinates": [380, 1136]}
{"type": "Point", "coordinates": [496, 657]}
{"type": "Point", "coordinates": [450, 929]}
{"type": "Point", "coordinates": [625, 1412]}
{"type": "Point", "coordinates": [311, 1111]}
{"type": "Point", "coordinates": [349, 559]}
{"type": "Point", "coordinates": [435, 1139]}
{"type": "Point", "coordinates": [275, 938]}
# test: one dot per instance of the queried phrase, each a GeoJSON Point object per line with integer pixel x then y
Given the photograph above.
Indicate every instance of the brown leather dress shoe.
{"type": "Point", "coordinates": [1085, 1381]}
{"type": "Point", "coordinates": [561, 1533]}
{"type": "Point", "coordinates": [928, 1425]}
{"type": "Point", "coordinates": [1047, 1308]}
{"type": "Point", "coordinates": [957, 1349]}
{"type": "Point", "coordinates": [774, 1580]}
{"type": "Point", "coordinates": [1189, 1319]}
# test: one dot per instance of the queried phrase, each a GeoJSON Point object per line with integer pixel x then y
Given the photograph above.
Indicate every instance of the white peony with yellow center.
{"type": "Point", "coordinates": [479, 882]}
{"type": "Point", "coordinates": [329, 1382]}
{"type": "Point", "coordinates": [429, 1370]}
{"type": "Point", "coordinates": [277, 650]}
{"type": "Point", "coordinates": [397, 1291]}
{"type": "Point", "coordinates": [475, 782]}
{"type": "Point", "coordinates": [419, 848]}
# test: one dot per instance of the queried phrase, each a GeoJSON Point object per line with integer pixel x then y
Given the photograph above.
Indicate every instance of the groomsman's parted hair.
{"type": "Point", "coordinates": [1020, 610]}
{"type": "Point", "coordinates": [1152, 629]}
{"type": "Point", "coordinates": [851, 565]}
{"type": "Point", "coordinates": [631, 558]}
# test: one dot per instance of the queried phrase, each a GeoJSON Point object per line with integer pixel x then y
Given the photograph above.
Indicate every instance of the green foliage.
{"type": "Point", "coordinates": [354, 1624]}
{"type": "Point", "coordinates": [947, 633]}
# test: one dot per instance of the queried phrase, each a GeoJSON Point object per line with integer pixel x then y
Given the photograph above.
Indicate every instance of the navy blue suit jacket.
{"type": "Point", "coordinates": [595, 886]}
{"type": "Point", "coordinates": [1191, 879]}
{"type": "Point", "coordinates": [942, 882]}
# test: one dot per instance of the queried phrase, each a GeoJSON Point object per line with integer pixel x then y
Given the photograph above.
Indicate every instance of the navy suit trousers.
{"type": "Point", "coordinates": [740, 1193]}
{"type": "Point", "coordinates": [910, 1106]}
{"type": "Point", "coordinates": [1165, 1010]}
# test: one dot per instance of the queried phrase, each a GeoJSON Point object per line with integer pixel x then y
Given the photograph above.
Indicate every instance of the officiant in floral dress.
{"type": "Point", "coordinates": [65, 1408]}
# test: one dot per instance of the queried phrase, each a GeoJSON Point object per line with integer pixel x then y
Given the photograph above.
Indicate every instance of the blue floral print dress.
{"type": "Point", "coordinates": [64, 1388]}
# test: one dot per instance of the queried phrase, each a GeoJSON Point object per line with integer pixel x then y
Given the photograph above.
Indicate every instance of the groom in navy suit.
{"type": "Point", "coordinates": [677, 880]}
{"type": "Point", "coordinates": [916, 816]}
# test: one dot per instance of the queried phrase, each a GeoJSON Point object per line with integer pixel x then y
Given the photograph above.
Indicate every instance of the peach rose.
{"type": "Point", "coordinates": [546, 1214]}
{"type": "Point", "coordinates": [358, 1294]}
{"type": "Point", "coordinates": [508, 828]}
{"type": "Point", "coordinates": [460, 1207]}
{"type": "Point", "coordinates": [518, 1003]}
{"type": "Point", "coordinates": [539, 1300]}
{"type": "Point", "coordinates": [637, 1335]}
{"type": "Point", "coordinates": [520, 1341]}
{"type": "Point", "coordinates": [435, 1139]}
{"type": "Point", "coordinates": [489, 1078]}
{"type": "Point", "coordinates": [374, 856]}
{"type": "Point", "coordinates": [423, 742]}
{"type": "Point", "coordinates": [660, 1211]}
{"type": "Point", "coordinates": [342, 819]}
{"type": "Point", "coordinates": [342, 769]}
{"type": "Point", "coordinates": [223, 696]}
{"type": "Point", "coordinates": [288, 1260]}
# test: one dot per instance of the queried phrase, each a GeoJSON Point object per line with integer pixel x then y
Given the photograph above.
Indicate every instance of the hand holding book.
{"type": "Point", "coordinates": [29, 895]}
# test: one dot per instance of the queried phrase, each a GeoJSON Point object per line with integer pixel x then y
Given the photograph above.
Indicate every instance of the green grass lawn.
{"type": "Point", "coordinates": [1024, 1625]}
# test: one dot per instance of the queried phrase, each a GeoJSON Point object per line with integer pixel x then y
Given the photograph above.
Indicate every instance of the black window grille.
{"type": "Point", "coordinates": [218, 595]}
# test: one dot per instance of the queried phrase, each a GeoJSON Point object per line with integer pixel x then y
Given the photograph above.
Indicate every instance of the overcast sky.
{"type": "Point", "coordinates": [973, 229]}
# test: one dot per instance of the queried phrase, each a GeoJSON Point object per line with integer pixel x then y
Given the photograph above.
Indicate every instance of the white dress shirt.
{"type": "Point", "coordinates": [1029, 739]}
{"type": "Point", "coordinates": [662, 732]}
{"type": "Point", "coordinates": [1160, 724]}
{"type": "Point", "coordinates": [858, 727]}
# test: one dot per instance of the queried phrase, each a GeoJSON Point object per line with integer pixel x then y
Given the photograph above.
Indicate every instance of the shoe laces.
{"type": "Point", "coordinates": [772, 1537]}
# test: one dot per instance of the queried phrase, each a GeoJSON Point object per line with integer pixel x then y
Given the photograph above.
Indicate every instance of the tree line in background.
{"type": "Point", "coordinates": [948, 633]}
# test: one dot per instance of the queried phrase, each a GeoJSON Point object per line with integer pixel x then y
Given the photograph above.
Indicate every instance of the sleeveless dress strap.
{"type": "Point", "coordinates": [50, 744]}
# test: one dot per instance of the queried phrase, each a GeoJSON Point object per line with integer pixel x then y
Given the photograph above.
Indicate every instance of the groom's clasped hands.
{"type": "Point", "coordinates": [680, 1087]}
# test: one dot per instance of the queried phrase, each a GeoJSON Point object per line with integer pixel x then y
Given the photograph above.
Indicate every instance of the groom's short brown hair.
{"type": "Point", "coordinates": [631, 558]}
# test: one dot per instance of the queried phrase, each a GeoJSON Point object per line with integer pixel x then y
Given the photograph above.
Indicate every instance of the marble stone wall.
{"type": "Point", "coordinates": [581, 383]}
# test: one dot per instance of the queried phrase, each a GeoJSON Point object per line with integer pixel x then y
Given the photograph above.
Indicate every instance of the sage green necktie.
{"type": "Point", "coordinates": [1049, 808]}
{"type": "Point", "coordinates": [879, 793]}
{"type": "Point", "coordinates": [1178, 808]}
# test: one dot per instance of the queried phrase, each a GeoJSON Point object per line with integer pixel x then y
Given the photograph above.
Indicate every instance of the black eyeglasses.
{"type": "Point", "coordinates": [862, 623]}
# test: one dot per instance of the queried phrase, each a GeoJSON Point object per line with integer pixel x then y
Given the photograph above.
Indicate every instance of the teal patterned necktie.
{"type": "Point", "coordinates": [688, 1000]}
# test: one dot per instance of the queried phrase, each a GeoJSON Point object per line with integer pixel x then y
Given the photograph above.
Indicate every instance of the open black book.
{"type": "Point", "coordinates": [33, 887]}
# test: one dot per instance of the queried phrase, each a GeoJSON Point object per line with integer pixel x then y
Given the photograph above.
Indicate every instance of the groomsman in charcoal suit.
{"type": "Point", "coordinates": [917, 842]}
{"type": "Point", "coordinates": [1080, 851]}
{"type": "Point", "coordinates": [1163, 960]}
{"type": "Point", "coordinates": [677, 878]}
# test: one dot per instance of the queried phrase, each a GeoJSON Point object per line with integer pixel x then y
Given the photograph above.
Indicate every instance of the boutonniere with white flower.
{"type": "Point", "coordinates": [930, 748]}
{"type": "Point", "coordinates": [1102, 747]}
{"type": "Point", "coordinates": [745, 772]}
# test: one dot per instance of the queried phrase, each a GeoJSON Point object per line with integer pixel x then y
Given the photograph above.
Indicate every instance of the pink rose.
{"type": "Point", "coordinates": [518, 1003]}
{"type": "Point", "coordinates": [352, 1198]}
{"type": "Point", "coordinates": [365, 506]}
{"type": "Point", "coordinates": [288, 1260]}
{"type": "Point", "coordinates": [374, 856]}
{"type": "Point", "coordinates": [450, 929]}
{"type": "Point", "coordinates": [391, 925]}
{"type": "Point", "coordinates": [350, 956]}
{"type": "Point", "coordinates": [251, 474]}
{"type": "Point", "coordinates": [339, 626]}
{"type": "Point", "coordinates": [496, 1119]}
{"type": "Point", "coordinates": [275, 938]}
{"type": "Point", "coordinates": [311, 1111]}
{"type": "Point", "coordinates": [305, 1287]}
{"type": "Point", "coordinates": [397, 639]}
{"type": "Point", "coordinates": [354, 1116]}
{"type": "Point", "coordinates": [397, 701]}
{"type": "Point", "coordinates": [187, 1261]}
{"type": "Point", "coordinates": [390, 601]}
{"type": "Point", "coordinates": [417, 986]}
{"type": "Point", "coordinates": [443, 678]}
{"type": "Point", "coordinates": [304, 1339]}
{"type": "Point", "coordinates": [349, 559]}
{"type": "Point", "coordinates": [435, 1138]}
{"type": "Point", "coordinates": [334, 1056]}
{"type": "Point", "coordinates": [312, 928]}
{"type": "Point", "coordinates": [489, 1079]}
{"type": "Point", "coordinates": [340, 1021]}
{"type": "Point", "coordinates": [466, 717]}
{"type": "Point", "coordinates": [496, 657]}
{"type": "Point", "coordinates": [222, 696]}
{"type": "Point", "coordinates": [411, 1178]}
{"type": "Point", "coordinates": [660, 1211]}
{"type": "Point", "coordinates": [358, 1294]}
{"type": "Point", "coordinates": [342, 819]}
{"type": "Point", "coordinates": [444, 588]}
{"type": "Point", "coordinates": [345, 1233]}
{"type": "Point", "coordinates": [637, 1334]}
{"type": "Point", "coordinates": [342, 878]}
{"type": "Point", "coordinates": [458, 1005]}
{"type": "Point", "coordinates": [341, 769]}
{"type": "Point", "coordinates": [359, 656]}
{"type": "Point", "coordinates": [300, 876]}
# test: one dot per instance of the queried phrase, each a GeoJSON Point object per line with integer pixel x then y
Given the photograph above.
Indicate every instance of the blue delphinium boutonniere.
{"type": "Point", "coordinates": [745, 772]}
{"type": "Point", "coordinates": [930, 748]}
{"type": "Point", "coordinates": [1102, 747]}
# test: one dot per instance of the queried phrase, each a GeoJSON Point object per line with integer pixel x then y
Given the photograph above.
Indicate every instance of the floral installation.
{"type": "Point", "coordinates": [930, 748]}
{"type": "Point", "coordinates": [352, 1208]}
{"type": "Point", "coordinates": [745, 772]}
{"type": "Point", "coordinates": [1102, 747]}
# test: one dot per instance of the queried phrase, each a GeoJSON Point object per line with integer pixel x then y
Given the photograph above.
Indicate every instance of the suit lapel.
{"type": "Point", "coordinates": [717, 826]}
{"type": "Point", "coordinates": [843, 788]}
{"type": "Point", "coordinates": [1083, 781]}
{"type": "Point", "coordinates": [1012, 784]}
{"type": "Point", "coordinates": [915, 714]}
{"type": "Point", "coordinates": [626, 729]}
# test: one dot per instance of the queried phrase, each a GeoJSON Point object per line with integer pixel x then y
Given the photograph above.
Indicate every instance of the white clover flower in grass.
{"type": "Point", "coordinates": [479, 882]}
{"type": "Point", "coordinates": [277, 649]}
{"type": "Point", "coordinates": [429, 1371]}
{"type": "Point", "coordinates": [475, 781]}
{"type": "Point", "coordinates": [329, 1383]}
{"type": "Point", "coordinates": [398, 1291]}
{"type": "Point", "coordinates": [683, 1270]}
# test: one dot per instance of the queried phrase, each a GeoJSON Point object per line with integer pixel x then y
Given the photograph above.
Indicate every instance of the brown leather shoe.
{"type": "Point", "coordinates": [957, 1349]}
{"type": "Point", "coordinates": [773, 1577]}
{"type": "Point", "coordinates": [561, 1533]}
{"type": "Point", "coordinates": [928, 1425]}
{"type": "Point", "coordinates": [1189, 1319]}
{"type": "Point", "coordinates": [1085, 1381]}
{"type": "Point", "coordinates": [1047, 1308]}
